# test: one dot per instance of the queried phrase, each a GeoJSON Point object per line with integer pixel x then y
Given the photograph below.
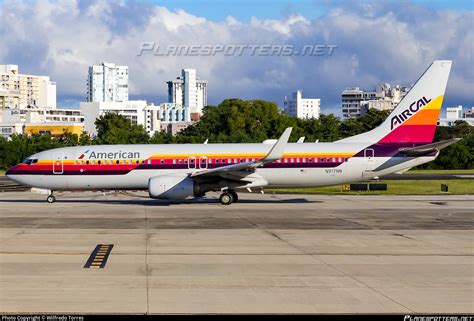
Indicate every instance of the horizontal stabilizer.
{"type": "Point", "coordinates": [428, 148]}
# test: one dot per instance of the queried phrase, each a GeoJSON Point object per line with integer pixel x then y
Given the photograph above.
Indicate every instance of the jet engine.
{"type": "Point", "coordinates": [171, 187]}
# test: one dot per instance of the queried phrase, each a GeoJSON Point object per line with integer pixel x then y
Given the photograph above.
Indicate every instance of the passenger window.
{"type": "Point", "coordinates": [149, 161]}
{"type": "Point", "coordinates": [162, 161]}
{"type": "Point", "coordinates": [117, 162]}
{"type": "Point", "coordinates": [334, 159]}
{"type": "Point", "coordinates": [310, 160]}
{"type": "Point", "coordinates": [321, 160]}
{"type": "Point", "coordinates": [174, 161]}
{"type": "Point", "coordinates": [87, 162]}
{"type": "Point", "coordinates": [180, 161]}
{"type": "Point", "coordinates": [98, 162]}
{"type": "Point", "coordinates": [346, 159]}
{"type": "Point", "coordinates": [328, 160]}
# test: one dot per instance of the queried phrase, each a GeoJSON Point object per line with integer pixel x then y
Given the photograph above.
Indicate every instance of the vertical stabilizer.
{"type": "Point", "coordinates": [415, 117]}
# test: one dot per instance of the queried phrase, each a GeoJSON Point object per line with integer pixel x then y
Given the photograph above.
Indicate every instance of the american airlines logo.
{"type": "Point", "coordinates": [110, 155]}
{"type": "Point", "coordinates": [410, 111]}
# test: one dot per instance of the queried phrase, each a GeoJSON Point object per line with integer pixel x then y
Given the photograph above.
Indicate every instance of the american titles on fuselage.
{"type": "Point", "coordinates": [114, 155]}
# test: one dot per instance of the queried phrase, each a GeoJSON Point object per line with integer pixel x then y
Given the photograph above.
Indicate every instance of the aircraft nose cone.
{"type": "Point", "coordinates": [10, 171]}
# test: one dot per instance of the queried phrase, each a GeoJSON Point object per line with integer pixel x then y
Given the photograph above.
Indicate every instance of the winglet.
{"type": "Point", "coordinates": [300, 140]}
{"type": "Point", "coordinates": [277, 150]}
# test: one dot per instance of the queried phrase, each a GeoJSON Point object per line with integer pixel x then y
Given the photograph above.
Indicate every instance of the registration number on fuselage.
{"type": "Point", "coordinates": [333, 171]}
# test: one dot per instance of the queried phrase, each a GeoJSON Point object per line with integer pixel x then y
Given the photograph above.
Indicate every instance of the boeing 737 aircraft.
{"type": "Point", "coordinates": [402, 141]}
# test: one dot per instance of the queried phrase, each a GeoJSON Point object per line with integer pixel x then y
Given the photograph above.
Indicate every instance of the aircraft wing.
{"type": "Point", "coordinates": [241, 170]}
{"type": "Point", "coordinates": [428, 148]}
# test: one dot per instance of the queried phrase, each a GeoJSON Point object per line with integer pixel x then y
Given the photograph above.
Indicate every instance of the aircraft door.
{"type": "Point", "coordinates": [369, 159]}
{"type": "Point", "coordinates": [58, 163]}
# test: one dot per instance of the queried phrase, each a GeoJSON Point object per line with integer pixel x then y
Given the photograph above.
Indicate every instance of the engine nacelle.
{"type": "Point", "coordinates": [174, 187]}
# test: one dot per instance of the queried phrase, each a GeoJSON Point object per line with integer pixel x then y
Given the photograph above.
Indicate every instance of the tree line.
{"type": "Point", "coordinates": [235, 120]}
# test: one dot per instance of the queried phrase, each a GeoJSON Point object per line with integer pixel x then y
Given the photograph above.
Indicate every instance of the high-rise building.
{"type": "Point", "coordinates": [188, 91]}
{"type": "Point", "coordinates": [21, 90]}
{"type": "Point", "coordinates": [107, 83]}
{"type": "Point", "coordinates": [300, 107]}
{"type": "Point", "coordinates": [356, 102]}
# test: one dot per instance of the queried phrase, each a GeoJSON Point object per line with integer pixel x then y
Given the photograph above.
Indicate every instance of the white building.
{"type": "Point", "coordinates": [29, 120]}
{"type": "Point", "coordinates": [21, 90]}
{"type": "Point", "coordinates": [454, 114]}
{"type": "Point", "coordinates": [152, 118]}
{"type": "Point", "coordinates": [300, 107]}
{"type": "Point", "coordinates": [356, 102]}
{"type": "Point", "coordinates": [188, 91]}
{"type": "Point", "coordinates": [107, 83]}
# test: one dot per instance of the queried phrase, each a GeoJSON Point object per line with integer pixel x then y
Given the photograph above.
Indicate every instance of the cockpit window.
{"type": "Point", "coordinates": [30, 161]}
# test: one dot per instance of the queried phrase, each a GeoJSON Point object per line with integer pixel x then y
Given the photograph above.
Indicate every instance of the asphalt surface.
{"type": "Point", "coordinates": [265, 254]}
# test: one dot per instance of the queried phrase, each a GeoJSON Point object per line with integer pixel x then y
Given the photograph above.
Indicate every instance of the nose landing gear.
{"type": "Point", "coordinates": [228, 197]}
{"type": "Point", "coordinates": [51, 199]}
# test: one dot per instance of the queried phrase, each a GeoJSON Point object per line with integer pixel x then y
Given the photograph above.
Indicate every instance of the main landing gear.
{"type": "Point", "coordinates": [228, 197]}
{"type": "Point", "coordinates": [51, 199]}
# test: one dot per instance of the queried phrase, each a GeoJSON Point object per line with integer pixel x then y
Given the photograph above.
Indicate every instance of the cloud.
{"type": "Point", "coordinates": [376, 43]}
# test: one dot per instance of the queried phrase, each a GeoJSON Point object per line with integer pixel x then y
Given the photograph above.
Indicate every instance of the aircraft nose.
{"type": "Point", "coordinates": [10, 171]}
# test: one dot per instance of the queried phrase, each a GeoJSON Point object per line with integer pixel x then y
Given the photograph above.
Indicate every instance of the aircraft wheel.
{"type": "Point", "coordinates": [234, 196]}
{"type": "Point", "coordinates": [51, 199]}
{"type": "Point", "coordinates": [226, 198]}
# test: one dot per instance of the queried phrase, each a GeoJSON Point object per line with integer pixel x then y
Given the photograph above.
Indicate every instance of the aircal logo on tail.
{"type": "Point", "coordinates": [410, 111]}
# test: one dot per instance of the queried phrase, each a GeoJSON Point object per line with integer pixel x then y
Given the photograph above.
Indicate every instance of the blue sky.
{"type": "Point", "coordinates": [377, 41]}
{"type": "Point", "coordinates": [243, 10]}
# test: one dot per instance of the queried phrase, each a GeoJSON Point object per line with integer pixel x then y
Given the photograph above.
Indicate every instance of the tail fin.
{"type": "Point", "coordinates": [415, 117]}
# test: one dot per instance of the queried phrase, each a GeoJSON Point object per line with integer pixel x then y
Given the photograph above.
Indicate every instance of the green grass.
{"type": "Point", "coordinates": [402, 187]}
{"type": "Point", "coordinates": [440, 171]}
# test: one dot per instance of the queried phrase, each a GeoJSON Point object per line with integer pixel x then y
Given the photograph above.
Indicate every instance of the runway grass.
{"type": "Point", "coordinates": [396, 187]}
{"type": "Point", "coordinates": [440, 171]}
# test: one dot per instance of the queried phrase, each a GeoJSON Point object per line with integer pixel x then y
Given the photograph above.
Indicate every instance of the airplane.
{"type": "Point", "coordinates": [180, 171]}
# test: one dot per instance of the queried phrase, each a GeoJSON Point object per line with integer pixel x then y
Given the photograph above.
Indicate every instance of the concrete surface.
{"type": "Point", "coordinates": [265, 254]}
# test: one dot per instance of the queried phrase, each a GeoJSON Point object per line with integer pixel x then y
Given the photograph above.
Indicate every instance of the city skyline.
{"type": "Point", "coordinates": [361, 58]}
